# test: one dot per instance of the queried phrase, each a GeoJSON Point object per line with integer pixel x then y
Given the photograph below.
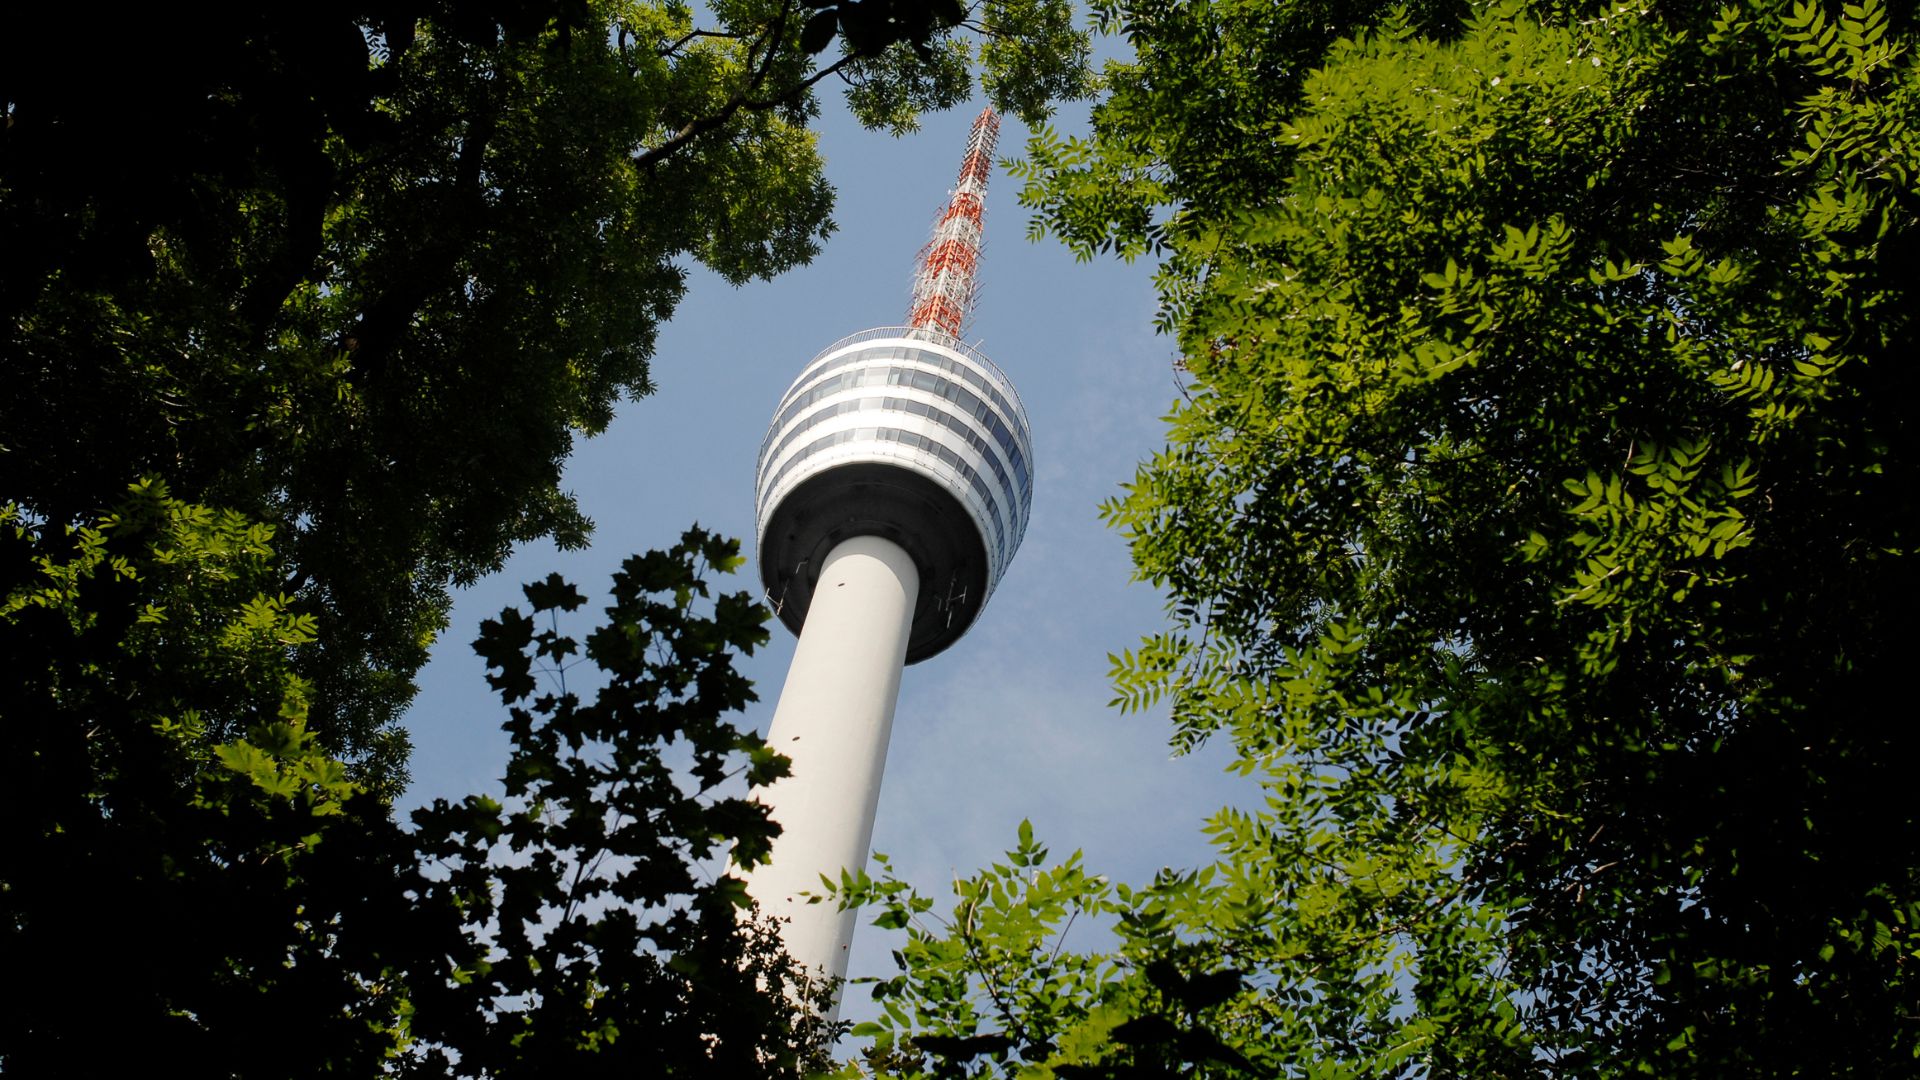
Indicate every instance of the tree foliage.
{"type": "Point", "coordinates": [1538, 524]}
{"type": "Point", "coordinates": [604, 935]}
{"type": "Point", "coordinates": [182, 858]}
{"type": "Point", "coordinates": [161, 839]}
{"type": "Point", "coordinates": [301, 309]}
{"type": "Point", "coordinates": [363, 273]}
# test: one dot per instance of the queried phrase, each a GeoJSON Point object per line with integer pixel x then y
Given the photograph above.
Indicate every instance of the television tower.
{"type": "Point", "coordinates": [893, 488]}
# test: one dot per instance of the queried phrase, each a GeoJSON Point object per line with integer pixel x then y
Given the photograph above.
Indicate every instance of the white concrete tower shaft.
{"type": "Point", "coordinates": [834, 720]}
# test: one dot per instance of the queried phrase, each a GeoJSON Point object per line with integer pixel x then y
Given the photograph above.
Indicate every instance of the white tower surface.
{"type": "Point", "coordinates": [893, 488]}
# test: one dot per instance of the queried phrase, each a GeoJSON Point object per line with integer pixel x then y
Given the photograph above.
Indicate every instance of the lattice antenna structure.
{"type": "Point", "coordinates": [944, 280]}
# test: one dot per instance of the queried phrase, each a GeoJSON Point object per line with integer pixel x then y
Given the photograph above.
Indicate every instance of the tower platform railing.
{"type": "Point", "coordinates": [917, 333]}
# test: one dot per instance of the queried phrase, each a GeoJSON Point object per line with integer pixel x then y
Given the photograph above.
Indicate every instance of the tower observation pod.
{"type": "Point", "coordinates": [893, 488]}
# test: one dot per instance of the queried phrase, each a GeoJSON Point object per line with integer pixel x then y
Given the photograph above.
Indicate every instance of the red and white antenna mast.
{"type": "Point", "coordinates": [943, 281]}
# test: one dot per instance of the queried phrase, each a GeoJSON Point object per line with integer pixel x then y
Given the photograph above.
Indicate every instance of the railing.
{"type": "Point", "coordinates": [936, 337]}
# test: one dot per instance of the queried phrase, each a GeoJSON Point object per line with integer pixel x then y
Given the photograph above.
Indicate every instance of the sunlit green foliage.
{"type": "Point", "coordinates": [1538, 524]}
{"type": "Point", "coordinates": [171, 829]}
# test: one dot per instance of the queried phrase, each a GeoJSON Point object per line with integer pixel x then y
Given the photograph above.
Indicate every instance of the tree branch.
{"type": "Point", "coordinates": [389, 314]}
{"type": "Point", "coordinates": [690, 36]}
{"type": "Point", "coordinates": [744, 98]}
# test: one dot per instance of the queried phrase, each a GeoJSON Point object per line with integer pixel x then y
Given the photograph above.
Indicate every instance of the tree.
{"type": "Point", "coordinates": [1538, 523]}
{"type": "Point", "coordinates": [362, 273]}
{"type": "Point", "coordinates": [244, 906]}
{"type": "Point", "coordinates": [603, 933]}
{"type": "Point", "coordinates": [298, 335]}
{"type": "Point", "coordinates": [194, 887]}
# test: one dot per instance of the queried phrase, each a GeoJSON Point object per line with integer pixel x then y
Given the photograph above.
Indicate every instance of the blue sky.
{"type": "Point", "coordinates": [1012, 721]}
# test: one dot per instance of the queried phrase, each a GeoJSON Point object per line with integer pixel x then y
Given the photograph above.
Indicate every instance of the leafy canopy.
{"type": "Point", "coordinates": [300, 314]}
{"type": "Point", "coordinates": [301, 309]}
{"type": "Point", "coordinates": [1538, 523]}
{"type": "Point", "coordinates": [363, 273]}
{"type": "Point", "coordinates": [184, 858]}
{"type": "Point", "coordinates": [602, 932]}
{"type": "Point", "coordinates": [170, 826]}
